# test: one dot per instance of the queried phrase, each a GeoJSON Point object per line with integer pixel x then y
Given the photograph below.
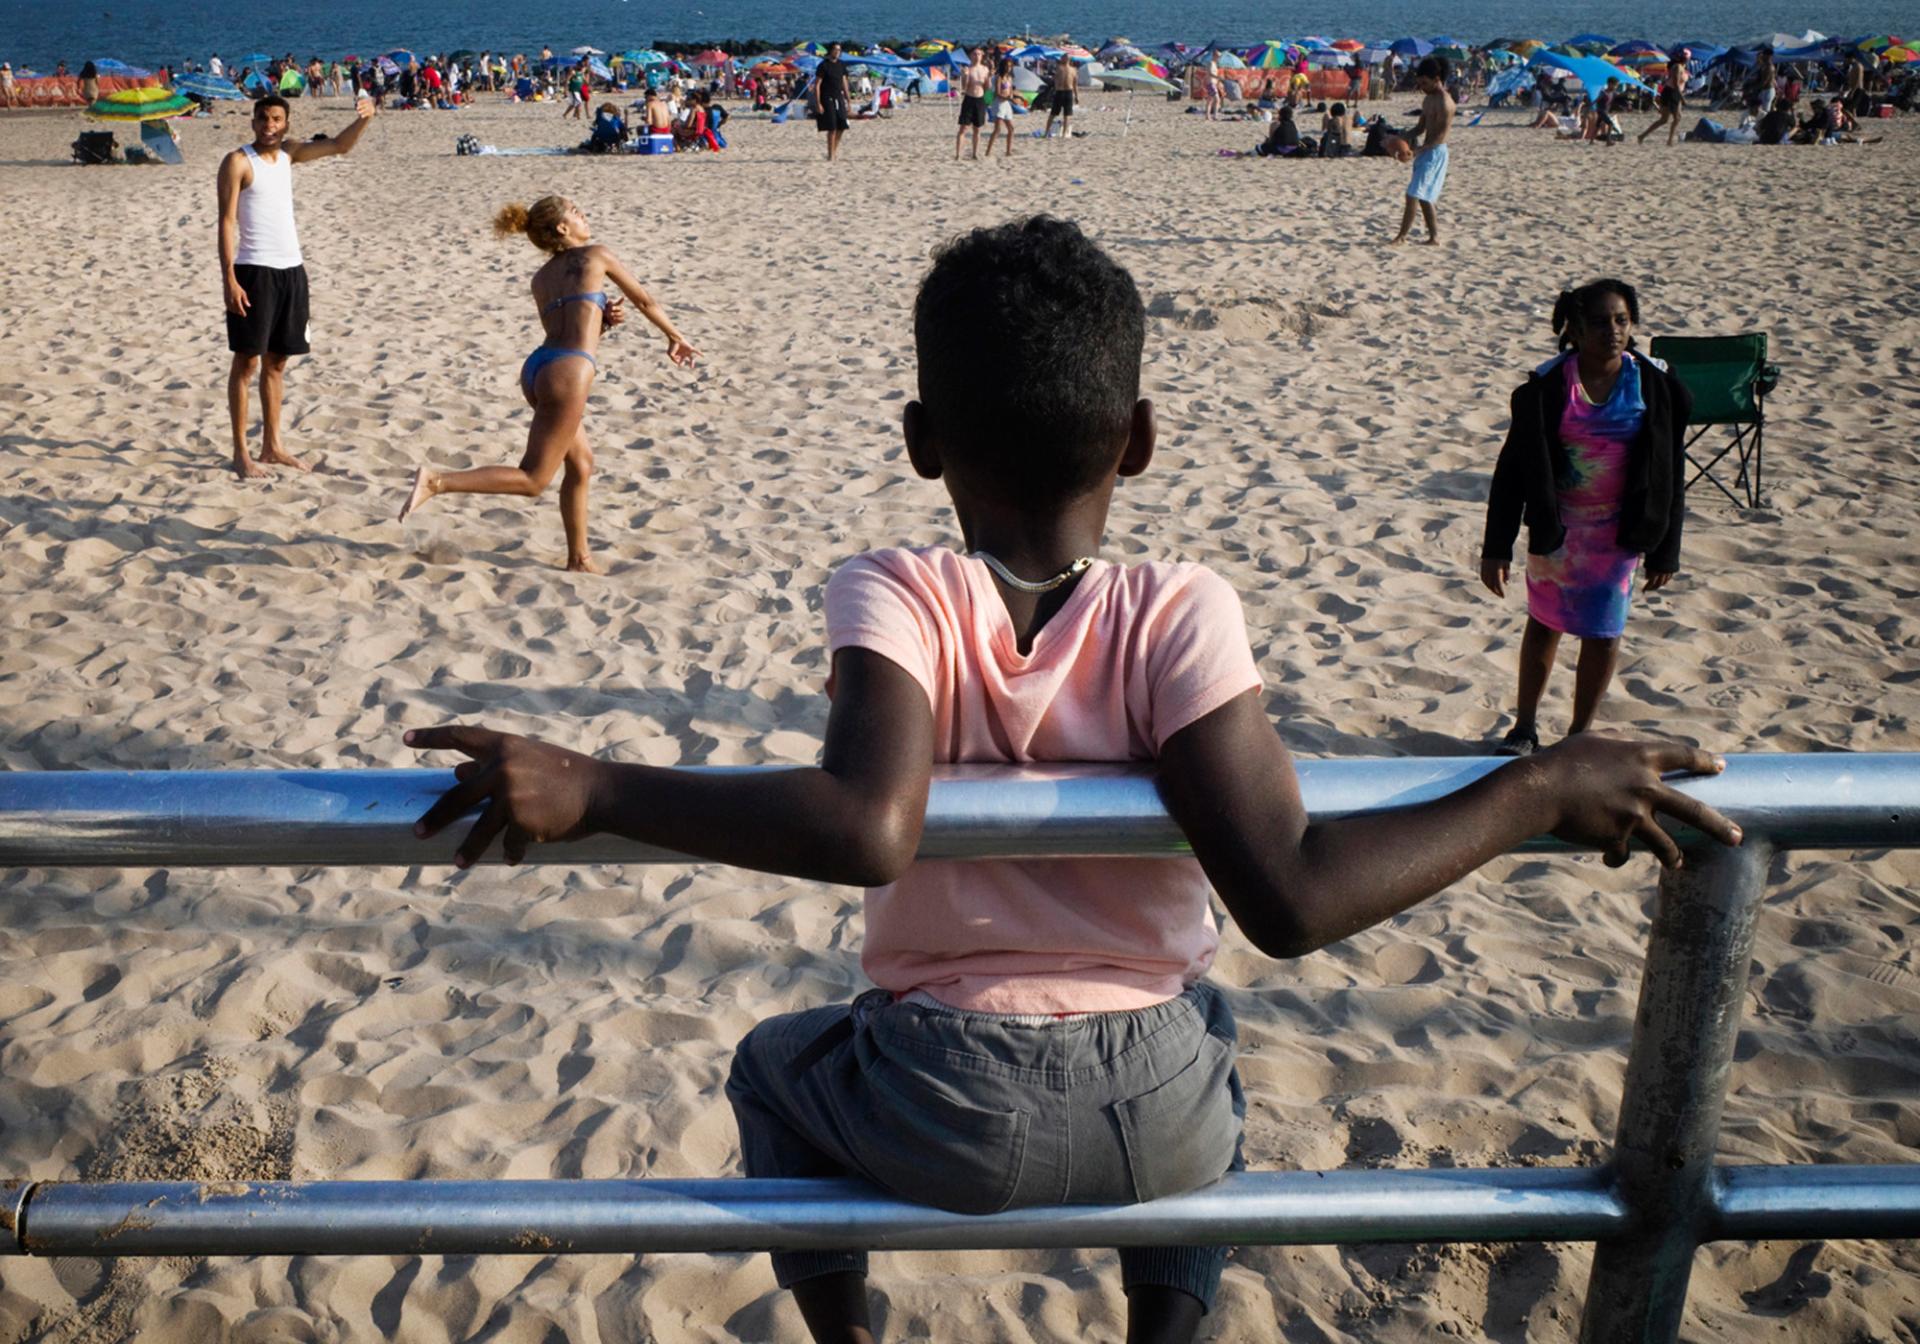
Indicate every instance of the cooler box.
{"type": "Point", "coordinates": [659, 142]}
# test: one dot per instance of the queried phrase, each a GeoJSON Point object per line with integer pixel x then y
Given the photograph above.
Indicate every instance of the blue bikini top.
{"type": "Point", "coordinates": [596, 297]}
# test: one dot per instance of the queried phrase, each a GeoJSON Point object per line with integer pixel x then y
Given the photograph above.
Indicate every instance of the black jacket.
{"type": "Point", "coordinates": [1533, 459]}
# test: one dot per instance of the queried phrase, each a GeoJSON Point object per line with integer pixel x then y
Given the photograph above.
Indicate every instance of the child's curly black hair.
{"type": "Point", "coordinates": [1029, 339]}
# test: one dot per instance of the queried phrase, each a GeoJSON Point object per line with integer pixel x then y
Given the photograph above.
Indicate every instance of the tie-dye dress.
{"type": "Point", "coordinates": [1586, 586]}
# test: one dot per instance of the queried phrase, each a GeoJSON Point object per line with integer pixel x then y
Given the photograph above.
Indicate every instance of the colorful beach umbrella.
{"type": "Point", "coordinates": [1900, 55]}
{"type": "Point", "coordinates": [712, 56]}
{"type": "Point", "coordinates": [151, 103]}
{"type": "Point", "coordinates": [1272, 54]}
{"type": "Point", "coordinates": [1349, 44]}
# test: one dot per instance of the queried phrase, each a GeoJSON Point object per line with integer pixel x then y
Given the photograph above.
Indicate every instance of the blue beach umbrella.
{"type": "Point", "coordinates": [106, 65]}
{"type": "Point", "coordinates": [210, 87]}
{"type": "Point", "coordinates": [258, 58]}
{"type": "Point", "coordinates": [401, 57]}
{"type": "Point", "coordinates": [1411, 46]}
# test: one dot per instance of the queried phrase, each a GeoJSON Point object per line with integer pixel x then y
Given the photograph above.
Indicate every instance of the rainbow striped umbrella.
{"type": "Point", "coordinates": [151, 103]}
{"type": "Point", "coordinates": [1901, 55]}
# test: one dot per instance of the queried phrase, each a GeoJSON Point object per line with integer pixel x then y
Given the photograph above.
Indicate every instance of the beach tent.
{"type": "Point", "coordinates": [1592, 72]}
{"type": "Point", "coordinates": [1791, 42]}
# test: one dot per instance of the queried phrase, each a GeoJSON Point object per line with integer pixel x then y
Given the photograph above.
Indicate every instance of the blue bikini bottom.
{"type": "Point", "coordinates": [544, 355]}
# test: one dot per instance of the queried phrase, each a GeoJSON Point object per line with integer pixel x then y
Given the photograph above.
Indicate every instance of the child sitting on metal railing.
{"type": "Point", "coordinates": [1042, 1032]}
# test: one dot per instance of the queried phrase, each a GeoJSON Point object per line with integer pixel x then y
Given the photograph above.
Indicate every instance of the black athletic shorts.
{"type": "Point", "coordinates": [1062, 103]}
{"type": "Point", "coordinates": [973, 111]}
{"type": "Point", "coordinates": [276, 318]}
{"type": "Point", "coordinates": [832, 115]}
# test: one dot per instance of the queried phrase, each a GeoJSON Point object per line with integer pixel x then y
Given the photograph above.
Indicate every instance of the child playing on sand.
{"type": "Point", "coordinates": [570, 294]}
{"type": "Point", "coordinates": [1430, 163]}
{"type": "Point", "coordinates": [1042, 1032]}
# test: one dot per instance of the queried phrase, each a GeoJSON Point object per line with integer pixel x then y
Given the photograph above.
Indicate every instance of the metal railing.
{"type": "Point", "coordinates": [1649, 1208]}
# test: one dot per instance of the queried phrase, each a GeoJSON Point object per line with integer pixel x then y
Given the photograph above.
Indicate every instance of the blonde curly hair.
{"type": "Point", "coordinates": [540, 222]}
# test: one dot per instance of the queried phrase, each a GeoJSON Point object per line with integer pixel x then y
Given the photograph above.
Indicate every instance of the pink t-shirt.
{"type": "Point", "coordinates": [1134, 656]}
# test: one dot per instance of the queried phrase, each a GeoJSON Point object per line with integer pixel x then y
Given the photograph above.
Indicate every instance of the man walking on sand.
{"type": "Point", "coordinates": [830, 99]}
{"type": "Point", "coordinates": [262, 271]}
{"type": "Point", "coordinates": [973, 102]}
{"type": "Point", "coordinates": [1429, 137]}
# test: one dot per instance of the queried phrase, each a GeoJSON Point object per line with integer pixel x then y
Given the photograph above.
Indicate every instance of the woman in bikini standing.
{"type": "Point", "coordinates": [570, 292]}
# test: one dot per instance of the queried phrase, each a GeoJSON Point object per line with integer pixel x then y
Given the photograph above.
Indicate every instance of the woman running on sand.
{"type": "Point", "coordinates": [570, 292]}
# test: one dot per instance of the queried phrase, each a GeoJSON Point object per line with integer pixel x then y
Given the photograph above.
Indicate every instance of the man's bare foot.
{"type": "Point", "coordinates": [1432, 240]}
{"type": "Point", "coordinates": [280, 457]}
{"type": "Point", "coordinates": [421, 493]}
{"type": "Point", "coordinates": [249, 470]}
{"type": "Point", "coordinates": [1396, 240]}
{"type": "Point", "coordinates": [583, 564]}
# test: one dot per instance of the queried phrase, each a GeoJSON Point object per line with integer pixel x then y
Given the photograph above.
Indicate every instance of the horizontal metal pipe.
{"type": "Point", "coordinates": [1758, 1203]}
{"type": "Point", "coordinates": [538, 1217]}
{"type": "Point", "coordinates": [363, 818]}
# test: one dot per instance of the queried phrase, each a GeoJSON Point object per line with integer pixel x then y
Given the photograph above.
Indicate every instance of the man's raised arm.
{"type": "Point", "coordinates": [339, 144]}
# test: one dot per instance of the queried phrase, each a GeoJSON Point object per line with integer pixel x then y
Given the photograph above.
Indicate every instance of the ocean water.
{"type": "Point", "coordinates": [147, 32]}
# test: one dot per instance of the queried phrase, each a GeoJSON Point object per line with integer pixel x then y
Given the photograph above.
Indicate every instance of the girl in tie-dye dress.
{"type": "Point", "coordinates": [1594, 463]}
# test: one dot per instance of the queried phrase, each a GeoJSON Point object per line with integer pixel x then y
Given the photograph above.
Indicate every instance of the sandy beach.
{"type": "Point", "coordinates": [1330, 411]}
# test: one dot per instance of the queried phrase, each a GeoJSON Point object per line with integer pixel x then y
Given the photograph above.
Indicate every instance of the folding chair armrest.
{"type": "Point", "coordinates": [1768, 380]}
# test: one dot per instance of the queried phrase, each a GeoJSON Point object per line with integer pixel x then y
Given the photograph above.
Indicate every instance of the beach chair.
{"type": "Point", "coordinates": [1729, 378]}
{"type": "Point", "coordinates": [158, 141]}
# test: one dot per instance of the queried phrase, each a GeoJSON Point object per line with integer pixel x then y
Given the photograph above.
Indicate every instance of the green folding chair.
{"type": "Point", "coordinates": [1730, 378]}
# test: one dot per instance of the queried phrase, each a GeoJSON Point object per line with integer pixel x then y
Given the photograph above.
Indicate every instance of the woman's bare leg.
{"type": "Point", "coordinates": [573, 506]}
{"type": "Point", "coordinates": [560, 400]}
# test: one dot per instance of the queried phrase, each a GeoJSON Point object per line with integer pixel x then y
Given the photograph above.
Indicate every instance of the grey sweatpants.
{"type": "Point", "coordinates": [976, 1113]}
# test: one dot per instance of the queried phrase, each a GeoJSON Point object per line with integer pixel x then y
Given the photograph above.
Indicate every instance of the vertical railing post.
{"type": "Point", "coordinates": [1683, 1037]}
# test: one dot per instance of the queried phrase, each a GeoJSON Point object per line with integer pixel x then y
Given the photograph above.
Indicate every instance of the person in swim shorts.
{"type": "Point", "coordinates": [570, 293]}
{"type": "Point", "coordinates": [1063, 85]}
{"type": "Point", "coordinates": [263, 273]}
{"type": "Point", "coordinates": [973, 102]}
{"type": "Point", "coordinates": [1429, 138]}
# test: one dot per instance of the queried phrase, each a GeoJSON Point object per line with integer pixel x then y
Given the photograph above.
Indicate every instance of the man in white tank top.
{"type": "Point", "coordinates": [262, 272]}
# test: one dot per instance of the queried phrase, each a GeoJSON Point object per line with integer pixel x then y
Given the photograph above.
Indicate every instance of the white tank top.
{"type": "Point", "coordinates": [267, 237]}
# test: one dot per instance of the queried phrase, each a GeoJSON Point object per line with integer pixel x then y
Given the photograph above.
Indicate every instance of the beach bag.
{"type": "Point", "coordinates": [95, 147]}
